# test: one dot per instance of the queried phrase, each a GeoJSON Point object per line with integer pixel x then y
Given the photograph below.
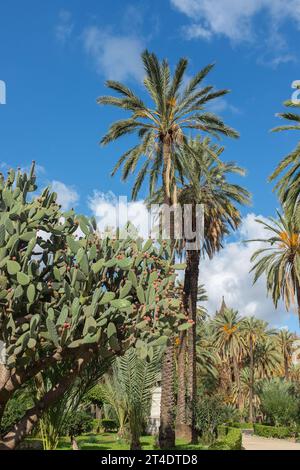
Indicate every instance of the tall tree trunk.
{"type": "Point", "coordinates": [286, 367]}
{"type": "Point", "coordinates": [167, 409]}
{"type": "Point", "coordinates": [167, 405]}
{"type": "Point", "coordinates": [74, 443]}
{"type": "Point", "coordinates": [190, 294]}
{"type": "Point", "coordinates": [237, 381]}
{"type": "Point", "coordinates": [181, 426]}
{"type": "Point", "coordinates": [135, 443]}
{"type": "Point", "coordinates": [251, 392]}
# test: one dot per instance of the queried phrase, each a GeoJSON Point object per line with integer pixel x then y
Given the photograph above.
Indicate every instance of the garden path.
{"type": "Point", "coordinates": [251, 442]}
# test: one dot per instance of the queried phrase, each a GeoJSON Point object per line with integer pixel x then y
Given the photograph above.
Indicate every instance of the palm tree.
{"type": "Point", "coordinates": [252, 330]}
{"type": "Point", "coordinates": [286, 342]}
{"type": "Point", "coordinates": [229, 343]}
{"type": "Point", "coordinates": [245, 389]}
{"type": "Point", "coordinates": [288, 185]}
{"type": "Point", "coordinates": [129, 390]}
{"type": "Point", "coordinates": [267, 358]}
{"type": "Point", "coordinates": [207, 185]}
{"type": "Point", "coordinates": [280, 261]}
{"type": "Point", "coordinates": [161, 129]}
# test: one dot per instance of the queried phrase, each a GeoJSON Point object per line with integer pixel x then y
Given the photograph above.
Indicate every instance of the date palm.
{"type": "Point", "coordinates": [129, 390]}
{"type": "Point", "coordinates": [267, 358]}
{"type": "Point", "coordinates": [253, 331]}
{"type": "Point", "coordinates": [286, 343]}
{"type": "Point", "coordinates": [207, 185]}
{"type": "Point", "coordinates": [288, 185]}
{"type": "Point", "coordinates": [280, 261]}
{"type": "Point", "coordinates": [161, 129]}
{"type": "Point", "coordinates": [229, 343]}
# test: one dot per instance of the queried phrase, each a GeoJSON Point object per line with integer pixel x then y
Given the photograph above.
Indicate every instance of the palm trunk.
{"type": "Point", "coordinates": [237, 381]}
{"type": "Point", "coordinates": [167, 409]}
{"type": "Point", "coordinates": [74, 443]}
{"type": "Point", "coordinates": [181, 396]}
{"type": "Point", "coordinates": [135, 435]}
{"type": "Point", "coordinates": [191, 292]}
{"type": "Point", "coordinates": [251, 392]}
{"type": "Point", "coordinates": [167, 406]}
{"type": "Point", "coordinates": [286, 367]}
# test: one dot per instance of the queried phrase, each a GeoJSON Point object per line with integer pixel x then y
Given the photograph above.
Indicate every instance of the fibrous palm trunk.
{"type": "Point", "coordinates": [191, 293]}
{"type": "Point", "coordinates": [286, 367]}
{"type": "Point", "coordinates": [237, 382]}
{"type": "Point", "coordinates": [181, 425]}
{"type": "Point", "coordinates": [167, 409]}
{"type": "Point", "coordinates": [167, 405]}
{"type": "Point", "coordinates": [251, 391]}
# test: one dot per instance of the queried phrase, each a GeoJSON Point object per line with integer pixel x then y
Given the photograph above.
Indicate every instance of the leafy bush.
{"type": "Point", "coordinates": [222, 431]}
{"type": "Point", "coordinates": [15, 410]}
{"type": "Point", "coordinates": [277, 432]}
{"type": "Point", "coordinates": [228, 439]}
{"type": "Point", "coordinates": [78, 423]}
{"type": "Point", "coordinates": [94, 396]}
{"type": "Point", "coordinates": [96, 425]}
{"type": "Point", "coordinates": [234, 439]}
{"type": "Point", "coordinates": [241, 425]}
{"type": "Point", "coordinates": [219, 445]}
{"type": "Point", "coordinates": [108, 425]}
{"type": "Point", "coordinates": [278, 403]}
{"type": "Point", "coordinates": [211, 412]}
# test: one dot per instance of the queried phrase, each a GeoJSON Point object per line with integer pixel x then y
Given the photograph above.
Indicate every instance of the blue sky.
{"type": "Point", "coordinates": [55, 57]}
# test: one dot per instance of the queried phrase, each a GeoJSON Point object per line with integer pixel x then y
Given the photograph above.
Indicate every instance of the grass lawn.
{"type": "Point", "coordinates": [110, 441]}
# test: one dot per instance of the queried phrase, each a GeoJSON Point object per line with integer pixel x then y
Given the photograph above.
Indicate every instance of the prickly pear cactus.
{"type": "Point", "coordinates": [63, 288]}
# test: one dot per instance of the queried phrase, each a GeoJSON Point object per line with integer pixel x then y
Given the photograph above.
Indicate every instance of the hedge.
{"type": "Point", "coordinates": [241, 425]}
{"type": "Point", "coordinates": [228, 439]}
{"type": "Point", "coordinates": [108, 425]}
{"type": "Point", "coordinates": [278, 432]}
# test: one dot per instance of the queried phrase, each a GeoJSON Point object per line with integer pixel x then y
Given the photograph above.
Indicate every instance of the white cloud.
{"type": "Point", "coordinates": [116, 57]}
{"type": "Point", "coordinates": [64, 27]}
{"type": "Point", "coordinates": [66, 195]}
{"type": "Point", "coordinates": [234, 18]}
{"type": "Point", "coordinates": [112, 212]}
{"type": "Point", "coordinates": [221, 105]}
{"type": "Point", "coordinates": [228, 274]}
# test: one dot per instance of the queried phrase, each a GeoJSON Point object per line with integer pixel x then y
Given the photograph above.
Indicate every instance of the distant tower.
{"type": "Point", "coordinates": [222, 308]}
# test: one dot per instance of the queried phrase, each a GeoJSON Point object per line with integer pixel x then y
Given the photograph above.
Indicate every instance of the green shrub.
{"type": "Point", "coordinates": [96, 426]}
{"type": "Point", "coordinates": [228, 439]}
{"type": "Point", "coordinates": [222, 430]}
{"type": "Point", "coordinates": [278, 432]}
{"type": "Point", "coordinates": [219, 445]}
{"type": "Point", "coordinates": [234, 439]}
{"type": "Point", "coordinates": [108, 425]}
{"type": "Point", "coordinates": [241, 425]}
{"type": "Point", "coordinates": [211, 413]}
{"type": "Point", "coordinates": [279, 403]}
{"type": "Point", "coordinates": [78, 423]}
{"type": "Point", "coordinates": [15, 409]}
